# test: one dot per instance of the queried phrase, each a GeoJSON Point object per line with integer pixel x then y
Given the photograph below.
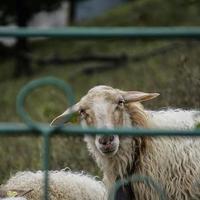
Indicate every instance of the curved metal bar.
{"type": "Point", "coordinates": [24, 92]}
{"type": "Point", "coordinates": [46, 150]}
{"type": "Point", "coordinates": [27, 89]}
{"type": "Point", "coordinates": [138, 178]}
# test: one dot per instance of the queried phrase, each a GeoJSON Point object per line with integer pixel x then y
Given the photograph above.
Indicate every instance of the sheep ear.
{"type": "Point", "coordinates": [136, 96]}
{"type": "Point", "coordinates": [64, 117]}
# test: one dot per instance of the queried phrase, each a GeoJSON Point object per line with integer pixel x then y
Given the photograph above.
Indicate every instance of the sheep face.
{"type": "Point", "coordinates": [102, 108]}
{"type": "Point", "coordinates": [105, 107]}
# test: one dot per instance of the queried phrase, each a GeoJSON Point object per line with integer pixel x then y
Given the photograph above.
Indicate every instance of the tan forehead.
{"type": "Point", "coordinates": [107, 95]}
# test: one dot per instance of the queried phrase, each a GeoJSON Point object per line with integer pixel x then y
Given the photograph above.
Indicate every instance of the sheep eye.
{"type": "Point", "coordinates": [120, 102]}
{"type": "Point", "coordinates": [82, 112]}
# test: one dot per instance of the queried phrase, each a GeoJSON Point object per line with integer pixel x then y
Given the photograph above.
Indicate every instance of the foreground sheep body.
{"type": "Point", "coordinates": [62, 186]}
{"type": "Point", "coordinates": [174, 162]}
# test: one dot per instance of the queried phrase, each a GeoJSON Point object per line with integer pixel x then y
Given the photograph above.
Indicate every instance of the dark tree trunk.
{"type": "Point", "coordinates": [22, 61]}
{"type": "Point", "coordinates": [72, 11]}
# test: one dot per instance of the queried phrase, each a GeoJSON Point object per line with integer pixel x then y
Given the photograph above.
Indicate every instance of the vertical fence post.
{"type": "Point", "coordinates": [45, 157]}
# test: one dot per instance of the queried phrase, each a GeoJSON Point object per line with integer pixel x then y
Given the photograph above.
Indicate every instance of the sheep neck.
{"type": "Point", "coordinates": [139, 119]}
{"type": "Point", "coordinates": [126, 191]}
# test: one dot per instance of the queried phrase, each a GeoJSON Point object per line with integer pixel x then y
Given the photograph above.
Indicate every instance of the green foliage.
{"type": "Point", "coordinates": [187, 81]}
{"type": "Point", "coordinates": [152, 13]}
{"type": "Point", "coordinates": [19, 153]}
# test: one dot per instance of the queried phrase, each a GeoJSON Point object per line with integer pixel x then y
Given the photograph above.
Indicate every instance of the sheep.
{"type": "Point", "coordinates": [63, 185]}
{"type": "Point", "coordinates": [173, 162]}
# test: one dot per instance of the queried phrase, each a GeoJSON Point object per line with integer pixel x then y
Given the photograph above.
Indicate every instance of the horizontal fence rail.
{"type": "Point", "coordinates": [19, 128]}
{"type": "Point", "coordinates": [103, 32]}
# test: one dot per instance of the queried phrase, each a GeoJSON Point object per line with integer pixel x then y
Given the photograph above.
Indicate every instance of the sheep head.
{"type": "Point", "coordinates": [106, 107]}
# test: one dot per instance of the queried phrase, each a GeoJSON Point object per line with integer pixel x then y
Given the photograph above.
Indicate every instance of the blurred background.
{"type": "Point", "coordinates": [170, 67]}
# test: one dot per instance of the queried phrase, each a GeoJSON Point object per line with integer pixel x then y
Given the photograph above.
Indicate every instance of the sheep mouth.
{"type": "Point", "coordinates": [108, 150]}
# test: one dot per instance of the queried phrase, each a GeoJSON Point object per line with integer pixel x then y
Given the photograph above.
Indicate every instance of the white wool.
{"type": "Point", "coordinates": [100, 112]}
{"type": "Point", "coordinates": [62, 185]}
{"type": "Point", "coordinates": [173, 162]}
{"type": "Point", "coordinates": [173, 119]}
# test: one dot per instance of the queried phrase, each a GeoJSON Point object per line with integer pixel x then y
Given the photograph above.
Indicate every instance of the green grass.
{"type": "Point", "coordinates": [174, 74]}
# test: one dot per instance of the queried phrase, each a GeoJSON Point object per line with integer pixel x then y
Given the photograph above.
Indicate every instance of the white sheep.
{"type": "Point", "coordinates": [63, 185]}
{"type": "Point", "coordinates": [174, 162]}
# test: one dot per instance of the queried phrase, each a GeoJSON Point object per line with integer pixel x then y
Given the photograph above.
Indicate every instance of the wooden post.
{"type": "Point", "coordinates": [72, 11]}
{"type": "Point", "coordinates": [22, 61]}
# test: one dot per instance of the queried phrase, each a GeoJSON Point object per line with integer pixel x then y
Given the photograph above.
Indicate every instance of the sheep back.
{"type": "Point", "coordinates": [62, 185]}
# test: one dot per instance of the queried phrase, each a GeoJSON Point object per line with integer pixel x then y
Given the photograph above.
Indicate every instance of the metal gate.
{"type": "Point", "coordinates": [45, 131]}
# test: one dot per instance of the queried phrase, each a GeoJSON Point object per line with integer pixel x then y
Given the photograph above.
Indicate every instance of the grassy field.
{"type": "Point", "coordinates": [174, 73]}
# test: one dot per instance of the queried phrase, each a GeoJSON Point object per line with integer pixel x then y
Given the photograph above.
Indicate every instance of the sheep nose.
{"type": "Point", "coordinates": [106, 139]}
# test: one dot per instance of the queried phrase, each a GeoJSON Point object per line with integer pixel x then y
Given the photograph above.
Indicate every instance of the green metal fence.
{"type": "Point", "coordinates": [44, 130]}
{"type": "Point", "coordinates": [104, 32]}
